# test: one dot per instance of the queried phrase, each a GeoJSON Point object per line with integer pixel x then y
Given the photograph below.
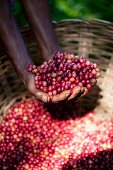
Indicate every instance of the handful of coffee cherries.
{"type": "Point", "coordinates": [65, 71]}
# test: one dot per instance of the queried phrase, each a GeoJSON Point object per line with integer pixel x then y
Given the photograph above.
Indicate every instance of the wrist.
{"type": "Point", "coordinates": [48, 52]}
{"type": "Point", "coordinates": [21, 67]}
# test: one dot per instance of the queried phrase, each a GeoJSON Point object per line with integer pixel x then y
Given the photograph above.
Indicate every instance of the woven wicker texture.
{"type": "Point", "coordinates": [92, 39]}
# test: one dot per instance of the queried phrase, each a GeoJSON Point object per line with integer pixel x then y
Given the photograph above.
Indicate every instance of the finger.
{"type": "Point", "coordinates": [97, 69]}
{"type": "Point", "coordinates": [85, 92]}
{"type": "Point", "coordinates": [75, 92]}
{"type": "Point", "coordinates": [42, 97]}
{"type": "Point", "coordinates": [60, 97]}
{"type": "Point", "coordinates": [98, 75]}
{"type": "Point", "coordinates": [93, 81]}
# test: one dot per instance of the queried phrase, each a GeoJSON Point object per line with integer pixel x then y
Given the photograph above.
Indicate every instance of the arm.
{"type": "Point", "coordinates": [15, 47]}
{"type": "Point", "coordinates": [38, 15]}
{"type": "Point", "coordinates": [11, 38]}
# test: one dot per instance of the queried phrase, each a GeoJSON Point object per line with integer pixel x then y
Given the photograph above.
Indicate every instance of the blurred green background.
{"type": "Point", "coordinates": [69, 9]}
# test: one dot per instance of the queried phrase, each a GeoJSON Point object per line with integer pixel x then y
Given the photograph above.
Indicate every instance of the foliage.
{"type": "Point", "coordinates": [19, 14]}
{"type": "Point", "coordinates": [70, 9]}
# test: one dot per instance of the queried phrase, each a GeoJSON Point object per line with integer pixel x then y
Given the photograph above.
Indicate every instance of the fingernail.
{"type": "Point", "coordinates": [78, 91]}
{"type": "Point", "coordinates": [45, 99]}
{"type": "Point", "coordinates": [97, 69]}
{"type": "Point", "coordinates": [67, 94]}
{"type": "Point", "coordinates": [48, 99]}
{"type": "Point", "coordinates": [39, 93]}
{"type": "Point", "coordinates": [82, 89]}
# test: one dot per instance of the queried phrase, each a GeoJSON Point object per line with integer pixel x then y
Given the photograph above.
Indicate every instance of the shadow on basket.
{"type": "Point", "coordinates": [75, 109]}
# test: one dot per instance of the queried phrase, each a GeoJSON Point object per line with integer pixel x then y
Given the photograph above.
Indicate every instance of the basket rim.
{"type": "Point", "coordinates": [84, 20]}
{"type": "Point", "coordinates": [77, 20]}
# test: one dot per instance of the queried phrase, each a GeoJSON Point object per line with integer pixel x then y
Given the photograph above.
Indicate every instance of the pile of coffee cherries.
{"type": "Point", "coordinates": [32, 139]}
{"type": "Point", "coordinates": [65, 71]}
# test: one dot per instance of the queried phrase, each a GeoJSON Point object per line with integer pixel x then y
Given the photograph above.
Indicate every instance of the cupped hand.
{"type": "Point", "coordinates": [42, 97]}
{"type": "Point", "coordinates": [77, 91]}
{"type": "Point", "coordinates": [29, 82]}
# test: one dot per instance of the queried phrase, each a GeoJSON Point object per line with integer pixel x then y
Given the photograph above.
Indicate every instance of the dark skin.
{"type": "Point", "coordinates": [37, 12]}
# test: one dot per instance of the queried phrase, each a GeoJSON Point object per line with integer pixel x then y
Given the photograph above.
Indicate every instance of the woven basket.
{"type": "Point", "coordinates": [92, 39]}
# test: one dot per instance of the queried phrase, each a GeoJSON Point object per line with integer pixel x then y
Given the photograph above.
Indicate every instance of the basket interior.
{"type": "Point", "coordinates": [92, 39]}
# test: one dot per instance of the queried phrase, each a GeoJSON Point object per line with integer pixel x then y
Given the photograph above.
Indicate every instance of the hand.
{"type": "Point", "coordinates": [28, 80]}
{"type": "Point", "coordinates": [44, 98]}
{"type": "Point", "coordinates": [77, 91]}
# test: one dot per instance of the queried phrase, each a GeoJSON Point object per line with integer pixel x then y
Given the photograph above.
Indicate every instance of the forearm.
{"type": "Point", "coordinates": [39, 17]}
{"type": "Point", "coordinates": [11, 38]}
